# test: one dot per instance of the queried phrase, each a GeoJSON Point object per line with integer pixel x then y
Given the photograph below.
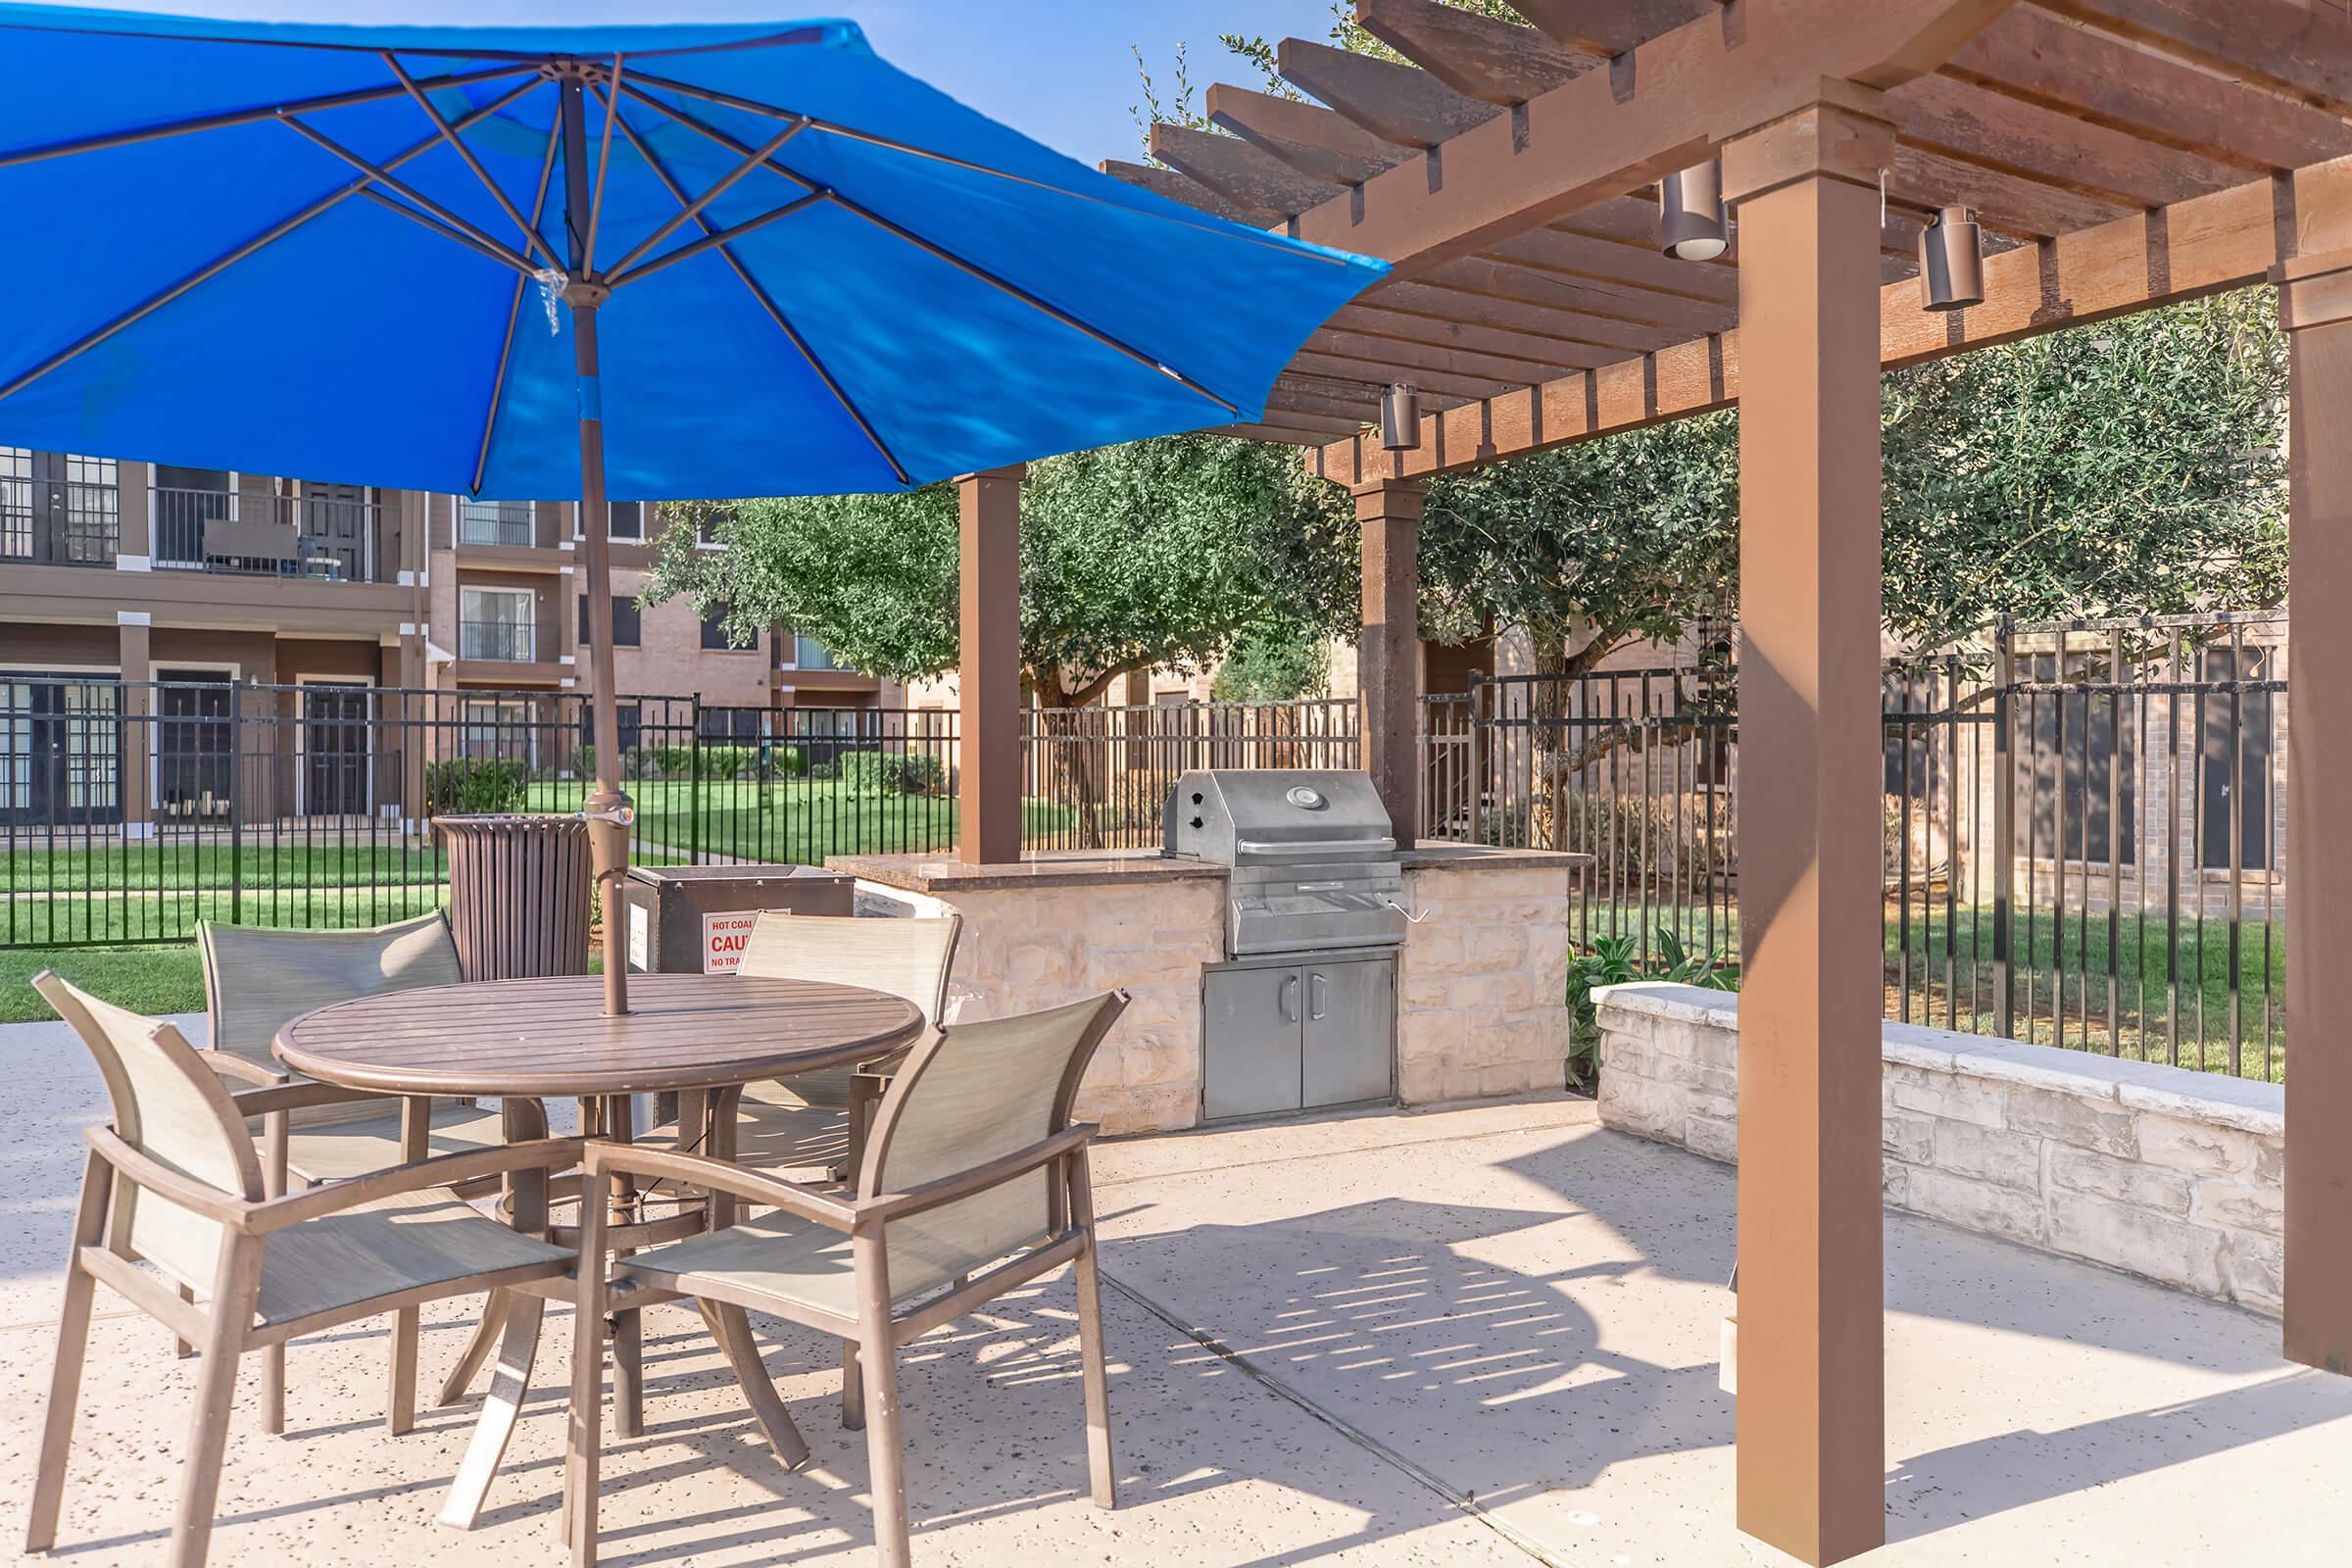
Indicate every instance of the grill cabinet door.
{"type": "Point", "coordinates": [1249, 1066]}
{"type": "Point", "coordinates": [1350, 1031]}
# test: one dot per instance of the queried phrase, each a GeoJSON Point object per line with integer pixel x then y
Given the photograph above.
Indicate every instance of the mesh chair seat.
{"type": "Point", "coordinates": [416, 1240]}
{"type": "Point", "coordinates": [334, 1151]}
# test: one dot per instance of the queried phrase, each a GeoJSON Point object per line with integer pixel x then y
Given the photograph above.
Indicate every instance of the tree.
{"type": "Point", "coordinates": [1156, 553]}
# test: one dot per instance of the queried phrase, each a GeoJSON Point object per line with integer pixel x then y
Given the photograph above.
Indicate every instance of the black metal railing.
{"type": "Point", "coordinates": [2080, 834]}
{"type": "Point", "coordinates": [130, 810]}
{"type": "Point", "coordinates": [336, 537]}
{"type": "Point", "coordinates": [515, 641]}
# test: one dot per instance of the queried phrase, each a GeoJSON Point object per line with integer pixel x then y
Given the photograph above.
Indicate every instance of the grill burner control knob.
{"type": "Point", "coordinates": [1197, 799]}
{"type": "Point", "coordinates": [1197, 823]}
{"type": "Point", "coordinates": [1305, 798]}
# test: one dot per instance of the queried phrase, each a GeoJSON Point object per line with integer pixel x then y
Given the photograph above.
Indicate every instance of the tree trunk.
{"type": "Point", "coordinates": [1549, 741]}
{"type": "Point", "coordinates": [1076, 736]}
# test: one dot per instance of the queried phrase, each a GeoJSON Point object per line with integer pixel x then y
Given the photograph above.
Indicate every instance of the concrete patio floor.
{"type": "Point", "coordinates": [1470, 1336]}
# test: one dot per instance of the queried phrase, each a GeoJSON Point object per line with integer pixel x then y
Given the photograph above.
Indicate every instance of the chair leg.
{"type": "Point", "coordinates": [400, 1392]}
{"type": "Point", "coordinates": [583, 1450]}
{"type": "Point", "coordinates": [238, 1282]}
{"type": "Point", "coordinates": [885, 1454]}
{"type": "Point", "coordinates": [852, 1388]}
{"type": "Point", "coordinates": [72, 1343]}
{"type": "Point", "coordinates": [878, 1359]}
{"type": "Point", "coordinates": [1102, 1478]}
{"type": "Point", "coordinates": [182, 1350]}
{"type": "Point", "coordinates": [273, 1389]}
{"type": "Point", "coordinates": [628, 1374]}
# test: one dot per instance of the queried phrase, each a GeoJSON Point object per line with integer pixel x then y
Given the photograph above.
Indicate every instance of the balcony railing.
{"type": "Point", "coordinates": [498, 639]}
{"type": "Point", "coordinates": [328, 537]}
{"type": "Point", "coordinates": [495, 522]}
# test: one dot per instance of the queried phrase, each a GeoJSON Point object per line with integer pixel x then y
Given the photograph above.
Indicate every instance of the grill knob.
{"type": "Point", "coordinates": [1197, 823]}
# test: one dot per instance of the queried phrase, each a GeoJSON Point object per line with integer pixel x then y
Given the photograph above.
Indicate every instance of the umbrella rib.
{"type": "Point", "coordinates": [156, 301]}
{"type": "Point", "coordinates": [456, 144]}
{"type": "Point", "coordinates": [506, 346]}
{"type": "Point", "coordinates": [475, 237]}
{"type": "Point", "coordinates": [877, 139]}
{"type": "Point", "coordinates": [712, 239]}
{"type": "Point", "coordinates": [428, 221]}
{"type": "Point", "coordinates": [228, 119]}
{"type": "Point", "coordinates": [694, 208]}
{"type": "Point", "coordinates": [775, 312]}
{"type": "Point", "coordinates": [534, 60]}
{"type": "Point", "coordinates": [962, 263]}
{"type": "Point", "coordinates": [596, 204]}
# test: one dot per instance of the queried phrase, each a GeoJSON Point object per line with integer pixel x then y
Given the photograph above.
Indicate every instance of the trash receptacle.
{"type": "Point", "coordinates": [693, 919]}
{"type": "Point", "coordinates": [517, 894]}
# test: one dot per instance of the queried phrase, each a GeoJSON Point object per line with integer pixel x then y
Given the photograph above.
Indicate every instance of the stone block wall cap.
{"type": "Point", "coordinates": [1657, 999]}
{"type": "Point", "coordinates": [1901, 1051]}
{"type": "Point", "coordinates": [2085, 1074]}
{"type": "Point", "coordinates": [2252, 1107]}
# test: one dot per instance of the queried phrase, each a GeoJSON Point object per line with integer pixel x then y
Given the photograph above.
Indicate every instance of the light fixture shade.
{"type": "Point", "coordinates": [1401, 417]}
{"type": "Point", "coordinates": [1951, 261]}
{"type": "Point", "coordinates": [1691, 225]}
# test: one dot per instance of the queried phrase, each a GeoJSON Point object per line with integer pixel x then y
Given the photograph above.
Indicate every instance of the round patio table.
{"type": "Point", "coordinates": [522, 1040]}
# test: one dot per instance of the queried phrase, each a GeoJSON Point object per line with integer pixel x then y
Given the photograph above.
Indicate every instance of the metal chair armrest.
{"type": "Point", "coordinates": [165, 1182]}
{"type": "Point", "coordinates": [229, 1065]}
{"type": "Point", "coordinates": [300, 1095]}
{"type": "Point", "coordinates": [874, 1211]}
{"type": "Point", "coordinates": [444, 1170]}
{"type": "Point", "coordinates": [701, 1170]}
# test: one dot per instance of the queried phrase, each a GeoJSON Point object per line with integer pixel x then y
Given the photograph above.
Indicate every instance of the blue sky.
{"type": "Point", "coordinates": [1060, 70]}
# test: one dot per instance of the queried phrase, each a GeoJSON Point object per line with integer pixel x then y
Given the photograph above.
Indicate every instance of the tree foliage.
{"type": "Point", "coordinates": [1156, 553]}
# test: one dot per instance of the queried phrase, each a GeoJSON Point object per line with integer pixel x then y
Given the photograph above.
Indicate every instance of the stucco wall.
{"type": "Point", "coordinates": [2159, 1171]}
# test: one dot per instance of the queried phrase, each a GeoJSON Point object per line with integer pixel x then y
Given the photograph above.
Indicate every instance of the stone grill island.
{"type": "Point", "coordinates": [1481, 979]}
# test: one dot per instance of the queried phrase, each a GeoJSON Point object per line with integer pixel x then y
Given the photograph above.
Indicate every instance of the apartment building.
{"type": "Point", "coordinates": [144, 572]}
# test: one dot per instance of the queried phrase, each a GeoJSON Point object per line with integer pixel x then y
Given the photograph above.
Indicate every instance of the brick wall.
{"type": "Point", "coordinates": [2159, 1171]}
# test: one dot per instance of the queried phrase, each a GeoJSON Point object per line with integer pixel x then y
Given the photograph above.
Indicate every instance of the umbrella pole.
{"type": "Point", "coordinates": [606, 808]}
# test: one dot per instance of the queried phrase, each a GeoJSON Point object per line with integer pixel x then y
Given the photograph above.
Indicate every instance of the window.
{"type": "Point", "coordinates": [2076, 746]}
{"type": "Point", "coordinates": [58, 509]}
{"type": "Point", "coordinates": [500, 727]}
{"type": "Point", "coordinates": [715, 628]}
{"type": "Point", "coordinates": [498, 623]}
{"type": "Point", "coordinates": [628, 520]}
{"type": "Point", "coordinates": [627, 625]}
{"type": "Point", "coordinates": [494, 523]}
{"type": "Point", "coordinates": [809, 654]}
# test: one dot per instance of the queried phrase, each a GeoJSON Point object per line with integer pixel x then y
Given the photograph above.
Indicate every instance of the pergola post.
{"type": "Point", "coordinates": [1389, 654]}
{"type": "Point", "coordinates": [2314, 302]}
{"type": "Point", "coordinates": [1812, 1420]}
{"type": "Point", "coordinates": [988, 787]}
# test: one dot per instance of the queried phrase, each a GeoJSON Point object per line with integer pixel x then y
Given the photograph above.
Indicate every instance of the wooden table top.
{"type": "Point", "coordinates": [551, 1037]}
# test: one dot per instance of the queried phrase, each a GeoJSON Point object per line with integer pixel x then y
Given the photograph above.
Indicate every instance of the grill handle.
{"type": "Point", "coordinates": [1289, 1000]}
{"type": "Point", "coordinates": [1317, 1003]}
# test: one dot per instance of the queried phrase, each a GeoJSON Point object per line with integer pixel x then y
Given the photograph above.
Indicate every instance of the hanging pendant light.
{"type": "Point", "coordinates": [1951, 261]}
{"type": "Point", "coordinates": [1401, 417]}
{"type": "Point", "coordinates": [1692, 227]}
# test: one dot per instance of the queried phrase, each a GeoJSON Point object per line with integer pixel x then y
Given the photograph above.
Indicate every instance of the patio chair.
{"type": "Point", "coordinates": [173, 1218]}
{"type": "Point", "coordinates": [817, 1119]}
{"type": "Point", "coordinates": [259, 978]}
{"type": "Point", "coordinates": [974, 1180]}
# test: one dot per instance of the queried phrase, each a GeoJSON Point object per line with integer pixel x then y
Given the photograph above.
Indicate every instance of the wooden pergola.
{"type": "Point", "coordinates": [2120, 154]}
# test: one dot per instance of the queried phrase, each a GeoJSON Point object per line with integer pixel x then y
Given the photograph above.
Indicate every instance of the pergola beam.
{"type": "Point", "coordinates": [1239, 171]}
{"type": "Point", "coordinates": [1178, 188]}
{"type": "Point", "coordinates": [2201, 246]}
{"type": "Point", "coordinates": [1610, 26]}
{"type": "Point", "coordinates": [1475, 55]}
{"type": "Point", "coordinates": [1375, 320]}
{"type": "Point", "coordinates": [1594, 137]}
{"type": "Point", "coordinates": [1978, 127]}
{"type": "Point", "coordinates": [1502, 276]}
{"type": "Point", "coordinates": [2032, 54]}
{"type": "Point", "coordinates": [1395, 103]}
{"type": "Point", "coordinates": [1315, 141]}
{"type": "Point", "coordinates": [1521, 368]}
{"type": "Point", "coordinates": [2294, 45]}
{"type": "Point", "coordinates": [1452, 293]}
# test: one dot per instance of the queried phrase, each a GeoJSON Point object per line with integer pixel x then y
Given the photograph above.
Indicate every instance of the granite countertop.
{"type": "Point", "coordinates": [1049, 868]}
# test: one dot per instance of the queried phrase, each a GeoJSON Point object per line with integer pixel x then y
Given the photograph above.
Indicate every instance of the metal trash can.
{"type": "Point", "coordinates": [517, 894]}
{"type": "Point", "coordinates": [693, 919]}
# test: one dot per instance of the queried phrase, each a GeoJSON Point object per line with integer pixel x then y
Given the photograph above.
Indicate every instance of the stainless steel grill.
{"type": "Point", "coordinates": [1303, 1012]}
{"type": "Point", "coordinates": [1313, 865]}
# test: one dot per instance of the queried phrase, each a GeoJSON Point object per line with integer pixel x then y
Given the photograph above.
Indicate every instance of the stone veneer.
{"type": "Point", "coordinates": [1482, 983]}
{"type": "Point", "coordinates": [2159, 1171]}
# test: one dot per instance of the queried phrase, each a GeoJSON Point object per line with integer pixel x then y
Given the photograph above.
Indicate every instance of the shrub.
{"type": "Point", "coordinates": [474, 784]}
{"type": "Point", "coordinates": [891, 773]}
{"type": "Point", "coordinates": [1613, 960]}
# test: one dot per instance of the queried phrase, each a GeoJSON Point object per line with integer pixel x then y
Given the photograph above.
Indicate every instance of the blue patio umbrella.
{"type": "Point", "coordinates": [633, 263]}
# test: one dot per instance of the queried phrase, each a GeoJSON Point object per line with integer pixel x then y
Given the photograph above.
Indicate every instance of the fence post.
{"type": "Point", "coordinates": [236, 801]}
{"type": "Point", "coordinates": [2004, 833]}
{"type": "Point", "coordinates": [694, 752]}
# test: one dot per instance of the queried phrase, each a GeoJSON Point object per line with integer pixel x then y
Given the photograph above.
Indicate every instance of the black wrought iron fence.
{"type": "Point", "coordinates": [2080, 824]}
{"type": "Point", "coordinates": [129, 812]}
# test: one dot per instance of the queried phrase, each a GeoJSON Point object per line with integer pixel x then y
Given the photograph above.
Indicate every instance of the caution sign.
{"type": "Point", "coordinates": [724, 937]}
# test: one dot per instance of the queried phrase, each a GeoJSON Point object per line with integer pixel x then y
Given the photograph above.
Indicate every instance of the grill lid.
{"type": "Point", "coordinates": [1273, 817]}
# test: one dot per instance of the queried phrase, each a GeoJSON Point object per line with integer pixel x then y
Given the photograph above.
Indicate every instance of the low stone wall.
{"type": "Point", "coordinates": [1482, 983]}
{"type": "Point", "coordinates": [2161, 1172]}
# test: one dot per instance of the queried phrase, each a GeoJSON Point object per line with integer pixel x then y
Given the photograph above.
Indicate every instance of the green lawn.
{"type": "Point", "coordinates": [211, 863]}
{"type": "Point", "coordinates": [800, 822]}
{"type": "Point", "coordinates": [151, 980]}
